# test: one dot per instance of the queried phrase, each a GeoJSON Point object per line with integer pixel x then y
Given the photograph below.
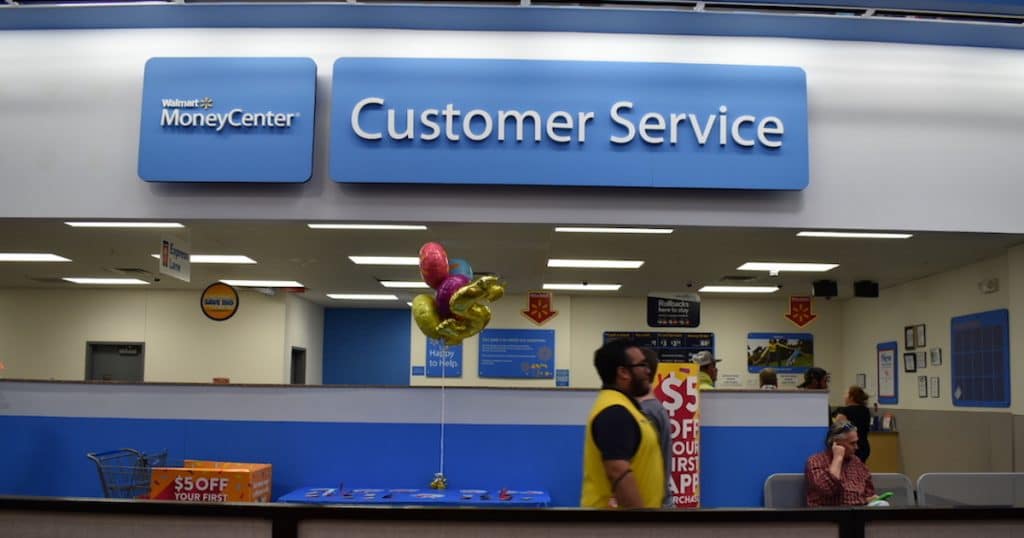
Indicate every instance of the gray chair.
{"type": "Point", "coordinates": [970, 489]}
{"type": "Point", "coordinates": [900, 486]}
{"type": "Point", "coordinates": [785, 490]}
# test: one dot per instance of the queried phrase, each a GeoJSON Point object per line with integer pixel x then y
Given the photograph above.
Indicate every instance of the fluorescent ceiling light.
{"type": "Point", "coordinates": [125, 224]}
{"type": "Point", "coordinates": [596, 264]}
{"type": "Point", "coordinates": [367, 226]}
{"type": "Point", "coordinates": [739, 289]}
{"type": "Point", "coordinates": [787, 267]}
{"type": "Point", "coordinates": [578, 229]}
{"type": "Point", "coordinates": [216, 258]}
{"type": "Point", "coordinates": [411, 284]}
{"type": "Point", "coordinates": [363, 296]}
{"type": "Point", "coordinates": [385, 260]}
{"type": "Point", "coordinates": [855, 235]}
{"type": "Point", "coordinates": [105, 281]}
{"type": "Point", "coordinates": [263, 283]}
{"type": "Point", "coordinates": [27, 257]}
{"type": "Point", "coordinates": [583, 287]}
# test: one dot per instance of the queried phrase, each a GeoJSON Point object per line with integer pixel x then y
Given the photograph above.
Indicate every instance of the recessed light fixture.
{"type": "Point", "coordinates": [106, 281]}
{"type": "Point", "coordinates": [363, 296]}
{"type": "Point", "coordinates": [216, 258]}
{"type": "Point", "coordinates": [787, 267]}
{"type": "Point", "coordinates": [596, 264]}
{"type": "Point", "coordinates": [385, 260]}
{"type": "Point", "coordinates": [263, 283]}
{"type": "Point", "coordinates": [582, 286]}
{"type": "Point", "coordinates": [75, 224]}
{"type": "Point", "coordinates": [739, 289]}
{"type": "Point", "coordinates": [29, 257]}
{"type": "Point", "coordinates": [410, 284]}
{"type": "Point", "coordinates": [315, 226]}
{"type": "Point", "coordinates": [586, 230]}
{"type": "Point", "coordinates": [856, 235]}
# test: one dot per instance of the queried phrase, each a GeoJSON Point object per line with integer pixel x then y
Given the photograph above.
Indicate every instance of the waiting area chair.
{"type": "Point", "coordinates": [970, 489]}
{"type": "Point", "coordinates": [788, 490]}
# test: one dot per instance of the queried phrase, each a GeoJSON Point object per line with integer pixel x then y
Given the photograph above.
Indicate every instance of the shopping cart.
{"type": "Point", "coordinates": [125, 473]}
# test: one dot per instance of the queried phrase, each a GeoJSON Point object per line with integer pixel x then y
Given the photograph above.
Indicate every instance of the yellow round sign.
{"type": "Point", "coordinates": [219, 301]}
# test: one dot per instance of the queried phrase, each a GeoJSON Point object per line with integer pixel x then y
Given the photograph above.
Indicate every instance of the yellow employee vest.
{"type": "Point", "coordinates": [648, 469]}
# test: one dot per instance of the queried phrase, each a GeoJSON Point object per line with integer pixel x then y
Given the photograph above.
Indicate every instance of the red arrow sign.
{"type": "Point", "coordinates": [539, 308]}
{"type": "Point", "coordinates": [800, 311]}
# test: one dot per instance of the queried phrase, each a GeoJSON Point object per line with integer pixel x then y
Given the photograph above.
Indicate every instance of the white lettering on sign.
{"type": "Point", "coordinates": [371, 119]}
{"type": "Point", "coordinates": [173, 114]}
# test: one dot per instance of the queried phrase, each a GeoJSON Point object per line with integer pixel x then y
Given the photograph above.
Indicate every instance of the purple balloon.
{"type": "Point", "coordinates": [451, 284]}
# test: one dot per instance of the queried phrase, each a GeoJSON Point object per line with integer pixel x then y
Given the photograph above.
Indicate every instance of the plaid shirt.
{"type": "Point", "coordinates": [823, 489]}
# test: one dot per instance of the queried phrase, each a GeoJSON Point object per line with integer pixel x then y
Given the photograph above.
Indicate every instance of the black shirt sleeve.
{"type": "Point", "coordinates": [616, 433]}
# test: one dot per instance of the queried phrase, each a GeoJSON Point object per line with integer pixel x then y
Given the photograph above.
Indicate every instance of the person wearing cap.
{"type": "Point", "coordinates": [708, 369]}
{"type": "Point", "coordinates": [622, 462]}
{"type": "Point", "coordinates": [835, 477]}
{"type": "Point", "coordinates": [815, 378]}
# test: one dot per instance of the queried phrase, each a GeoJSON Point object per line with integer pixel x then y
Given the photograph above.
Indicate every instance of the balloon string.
{"type": "Point", "coordinates": [444, 369]}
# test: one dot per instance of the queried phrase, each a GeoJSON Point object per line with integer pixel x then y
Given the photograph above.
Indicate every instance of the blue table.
{"type": "Point", "coordinates": [421, 497]}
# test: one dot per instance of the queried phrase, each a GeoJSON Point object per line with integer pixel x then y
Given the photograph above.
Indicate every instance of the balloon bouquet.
{"type": "Point", "coordinates": [458, 310]}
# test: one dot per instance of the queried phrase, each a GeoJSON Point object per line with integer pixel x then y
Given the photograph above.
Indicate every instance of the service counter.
{"type": "Point", "coordinates": [379, 437]}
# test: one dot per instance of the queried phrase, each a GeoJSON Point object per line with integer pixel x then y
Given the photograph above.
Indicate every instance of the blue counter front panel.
{"type": "Point", "coordinates": [570, 123]}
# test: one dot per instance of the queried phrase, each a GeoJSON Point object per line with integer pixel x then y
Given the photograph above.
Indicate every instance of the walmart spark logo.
{"type": "Point", "coordinates": [206, 103]}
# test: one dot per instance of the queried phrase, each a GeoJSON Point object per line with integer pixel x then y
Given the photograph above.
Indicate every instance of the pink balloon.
{"type": "Point", "coordinates": [433, 264]}
{"type": "Point", "coordinates": [445, 292]}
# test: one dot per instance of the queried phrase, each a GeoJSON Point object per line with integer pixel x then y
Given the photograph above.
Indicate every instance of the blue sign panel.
{"type": "Point", "coordinates": [561, 378]}
{"type": "Point", "coordinates": [517, 353]}
{"type": "Point", "coordinates": [443, 360]}
{"type": "Point", "coordinates": [417, 371]}
{"type": "Point", "coordinates": [227, 120]}
{"type": "Point", "coordinates": [569, 123]}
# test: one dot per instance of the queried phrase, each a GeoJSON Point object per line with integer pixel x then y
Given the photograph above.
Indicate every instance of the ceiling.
{"type": "Point", "coordinates": [518, 252]}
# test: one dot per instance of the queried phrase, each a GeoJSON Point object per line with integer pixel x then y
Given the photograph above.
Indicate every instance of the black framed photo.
{"type": "Point", "coordinates": [910, 362]}
{"type": "Point", "coordinates": [908, 337]}
{"type": "Point", "coordinates": [919, 336]}
{"type": "Point", "coordinates": [922, 386]}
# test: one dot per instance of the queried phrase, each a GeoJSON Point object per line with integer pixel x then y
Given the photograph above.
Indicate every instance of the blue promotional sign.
{"type": "Point", "coordinates": [787, 353]}
{"type": "Point", "coordinates": [397, 120]}
{"type": "Point", "coordinates": [417, 371]}
{"type": "Point", "coordinates": [561, 378]}
{"type": "Point", "coordinates": [443, 360]}
{"type": "Point", "coordinates": [227, 120]}
{"type": "Point", "coordinates": [517, 353]}
{"type": "Point", "coordinates": [671, 347]}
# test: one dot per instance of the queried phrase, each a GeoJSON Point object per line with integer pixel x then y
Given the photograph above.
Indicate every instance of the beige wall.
{"type": "Point", "coordinates": [932, 301]}
{"type": "Point", "coordinates": [582, 321]}
{"type": "Point", "coordinates": [47, 331]}
{"type": "Point", "coordinates": [305, 329]}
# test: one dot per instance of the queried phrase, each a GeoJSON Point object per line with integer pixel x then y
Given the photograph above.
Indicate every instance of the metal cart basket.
{"type": "Point", "coordinates": [125, 473]}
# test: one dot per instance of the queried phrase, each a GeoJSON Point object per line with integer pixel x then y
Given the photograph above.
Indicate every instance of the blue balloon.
{"type": "Point", "coordinates": [458, 266]}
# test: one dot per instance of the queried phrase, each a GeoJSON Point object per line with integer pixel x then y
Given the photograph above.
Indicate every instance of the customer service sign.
{"type": "Point", "coordinates": [397, 120]}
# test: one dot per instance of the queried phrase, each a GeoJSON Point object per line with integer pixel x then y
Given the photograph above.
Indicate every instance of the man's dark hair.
{"type": "Point", "coordinates": [609, 357]}
{"type": "Point", "coordinates": [651, 357]}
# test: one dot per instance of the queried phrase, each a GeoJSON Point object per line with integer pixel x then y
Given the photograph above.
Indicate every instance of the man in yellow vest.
{"type": "Point", "coordinates": [622, 463]}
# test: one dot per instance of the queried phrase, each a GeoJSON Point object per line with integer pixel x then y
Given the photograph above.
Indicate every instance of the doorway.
{"type": "Point", "coordinates": [298, 366]}
{"type": "Point", "coordinates": [115, 361]}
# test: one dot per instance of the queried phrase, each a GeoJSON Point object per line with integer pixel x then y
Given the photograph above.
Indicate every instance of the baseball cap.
{"type": "Point", "coordinates": [704, 358]}
{"type": "Point", "coordinates": [813, 374]}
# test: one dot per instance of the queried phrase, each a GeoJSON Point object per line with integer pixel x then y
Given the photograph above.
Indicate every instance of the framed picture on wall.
{"type": "Point", "coordinates": [919, 336]}
{"type": "Point", "coordinates": [922, 386]}
{"type": "Point", "coordinates": [908, 337]}
{"type": "Point", "coordinates": [922, 359]}
{"type": "Point", "coordinates": [862, 381]}
{"type": "Point", "coordinates": [933, 387]}
{"type": "Point", "coordinates": [910, 362]}
{"type": "Point", "coordinates": [936, 355]}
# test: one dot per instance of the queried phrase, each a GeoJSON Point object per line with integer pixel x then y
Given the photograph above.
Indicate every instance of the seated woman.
{"type": "Point", "coordinates": [835, 477]}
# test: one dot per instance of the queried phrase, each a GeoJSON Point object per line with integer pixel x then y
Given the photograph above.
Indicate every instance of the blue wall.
{"type": "Point", "coordinates": [366, 347]}
{"type": "Point", "coordinates": [46, 455]}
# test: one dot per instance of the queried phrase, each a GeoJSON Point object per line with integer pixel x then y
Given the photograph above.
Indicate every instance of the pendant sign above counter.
{"type": "Point", "coordinates": [672, 309]}
{"type": "Point", "coordinates": [175, 260]}
{"type": "Point", "coordinates": [219, 301]}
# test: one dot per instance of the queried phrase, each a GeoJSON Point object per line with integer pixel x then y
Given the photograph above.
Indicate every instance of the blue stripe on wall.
{"type": "Point", "coordinates": [366, 347]}
{"type": "Point", "coordinates": [46, 455]}
{"type": "Point", "coordinates": [735, 461]}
